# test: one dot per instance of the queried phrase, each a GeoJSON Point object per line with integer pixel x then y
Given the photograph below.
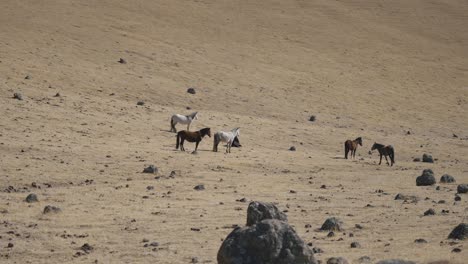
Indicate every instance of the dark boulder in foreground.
{"type": "Point", "coordinates": [258, 211]}
{"type": "Point", "coordinates": [270, 241]}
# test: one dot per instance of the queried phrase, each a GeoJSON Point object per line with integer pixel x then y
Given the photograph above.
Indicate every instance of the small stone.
{"type": "Point", "coordinates": [456, 250]}
{"type": "Point", "coordinates": [317, 250]}
{"type": "Point", "coordinates": [426, 179]}
{"type": "Point", "coordinates": [355, 245]}
{"type": "Point", "coordinates": [447, 179]}
{"type": "Point", "coordinates": [140, 103]}
{"type": "Point", "coordinates": [199, 187]}
{"type": "Point", "coordinates": [149, 188]}
{"type": "Point", "coordinates": [420, 241]}
{"type": "Point", "coordinates": [18, 96]}
{"type": "Point", "coordinates": [312, 118]}
{"type": "Point", "coordinates": [122, 61]}
{"type": "Point", "coordinates": [292, 148]}
{"type": "Point", "coordinates": [51, 209]}
{"type": "Point", "coordinates": [332, 224]}
{"type": "Point", "coordinates": [154, 244]}
{"type": "Point", "coordinates": [364, 259]}
{"type": "Point", "coordinates": [429, 212]}
{"type": "Point", "coordinates": [416, 159]}
{"type": "Point", "coordinates": [194, 260]}
{"type": "Point", "coordinates": [462, 188]}
{"type": "Point", "coordinates": [31, 198]}
{"type": "Point", "coordinates": [86, 247]}
{"type": "Point", "coordinates": [191, 90]}
{"type": "Point", "coordinates": [404, 197]}
{"type": "Point", "coordinates": [457, 198]}
{"type": "Point", "coordinates": [57, 95]}
{"type": "Point", "coordinates": [338, 260]}
{"type": "Point", "coordinates": [150, 169]}
{"type": "Point", "coordinates": [331, 234]}
{"type": "Point", "coordinates": [10, 245]}
{"type": "Point", "coordinates": [358, 226]}
{"type": "Point", "coordinates": [459, 232]}
{"type": "Point", "coordinates": [427, 158]}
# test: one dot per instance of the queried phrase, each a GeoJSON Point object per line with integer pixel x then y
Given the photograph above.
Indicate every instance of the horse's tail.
{"type": "Point", "coordinates": [392, 156]}
{"type": "Point", "coordinates": [346, 149]}
{"type": "Point", "coordinates": [178, 141]}
{"type": "Point", "coordinates": [172, 124]}
{"type": "Point", "coordinates": [215, 142]}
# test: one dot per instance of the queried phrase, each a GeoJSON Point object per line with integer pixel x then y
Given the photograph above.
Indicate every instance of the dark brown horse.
{"type": "Point", "coordinates": [195, 136]}
{"type": "Point", "coordinates": [351, 145]}
{"type": "Point", "coordinates": [385, 151]}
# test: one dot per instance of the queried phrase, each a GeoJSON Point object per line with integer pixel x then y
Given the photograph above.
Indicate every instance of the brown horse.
{"type": "Point", "coordinates": [351, 145]}
{"type": "Point", "coordinates": [190, 136]}
{"type": "Point", "coordinates": [385, 151]}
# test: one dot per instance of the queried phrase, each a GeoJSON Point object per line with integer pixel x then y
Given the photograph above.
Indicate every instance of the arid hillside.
{"type": "Point", "coordinates": [393, 72]}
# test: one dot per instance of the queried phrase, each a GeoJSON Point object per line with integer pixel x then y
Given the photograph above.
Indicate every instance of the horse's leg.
{"type": "Point", "coordinates": [188, 127]}
{"type": "Point", "coordinates": [182, 144]}
{"type": "Point", "coordinates": [380, 162]}
{"type": "Point", "coordinates": [386, 160]}
{"type": "Point", "coordinates": [196, 146]}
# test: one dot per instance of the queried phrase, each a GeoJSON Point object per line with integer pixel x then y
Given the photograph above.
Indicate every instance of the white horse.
{"type": "Point", "coordinates": [227, 137]}
{"type": "Point", "coordinates": [183, 119]}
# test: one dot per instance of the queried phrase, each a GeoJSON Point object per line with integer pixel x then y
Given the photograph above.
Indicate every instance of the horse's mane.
{"type": "Point", "coordinates": [192, 115]}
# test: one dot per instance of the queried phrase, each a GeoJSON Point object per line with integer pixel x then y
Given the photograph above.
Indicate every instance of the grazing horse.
{"type": "Point", "coordinates": [385, 151]}
{"type": "Point", "coordinates": [195, 136]}
{"type": "Point", "coordinates": [227, 137]}
{"type": "Point", "coordinates": [183, 119]}
{"type": "Point", "coordinates": [351, 145]}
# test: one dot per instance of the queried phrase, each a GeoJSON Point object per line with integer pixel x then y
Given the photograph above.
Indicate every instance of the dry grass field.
{"type": "Point", "coordinates": [393, 72]}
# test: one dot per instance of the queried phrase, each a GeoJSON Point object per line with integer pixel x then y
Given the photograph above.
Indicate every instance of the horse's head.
{"type": "Point", "coordinates": [237, 131]}
{"type": "Point", "coordinates": [359, 140]}
{"type": "Point", "coordinates": [207, 131]}
{"type": "Point", "coordinates": [374, 146]}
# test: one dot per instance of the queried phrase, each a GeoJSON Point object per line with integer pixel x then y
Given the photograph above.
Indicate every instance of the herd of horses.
{"type": "Point", "coordinates": [231, 138]}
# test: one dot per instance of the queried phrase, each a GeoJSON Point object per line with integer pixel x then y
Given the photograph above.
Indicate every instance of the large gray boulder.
{"type": "Point", "coordinates": [258, 211]}
{"type": "Point", "coordinates": [269, 241]}
{"type": "Point", "coordinates": [426, 179]}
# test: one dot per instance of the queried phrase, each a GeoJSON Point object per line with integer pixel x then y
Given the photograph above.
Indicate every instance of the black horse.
{"type": "Point", "coordinates": [385, 151]}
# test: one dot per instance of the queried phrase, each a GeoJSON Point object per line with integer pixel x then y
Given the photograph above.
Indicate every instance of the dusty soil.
{"type": "Point", "coordinates": [376, 69]}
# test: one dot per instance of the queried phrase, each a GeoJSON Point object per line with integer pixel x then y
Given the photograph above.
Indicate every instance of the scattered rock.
{"type": "Point", "coordinates": [122, 61]}
{"type": "Point", "coordinates": [462, 188]}
{"type": "Point", "coordinates": [18, 96]}
{"type": "Point", "coordinates": [292, 148]}
{"type": "Point", "coordinates": [420, 241]}
{"type": "Point", "coordinates": [460, 232]}
{"type": "Point", "coordinates": [194, 260]}
{"type": "Point", "coordinates": [364, 259]}
{"type": "Point", "coordinates": [395, 261]}
{"type": "Point", "coordinates": [57, 95]}
{"type": "Point", "coordinates": [355, 245]}
{"type": "Point", "coordinates": [338, 260]}
{"type": "Point", "coordinates": [258, 211]}
{"type": "Point", "coordinates": [312, 118]}
{"type": "Point", "coordinates": [416, 159]}
{"type": "Point", "coordinates": [447, 179]}
{"type": "Point", "coordinates": [456, 250]}
{"type": "Point", "coordinates": [404, 197]}
{"type": "Point", "coordinates": [150, 169]}
{"type": "Point", "coordinates": [427, 158]}
{"type": "Point", "coordinates": [268, 241]}
{"type": "Point", "coordinates": [51, 209]}
{"type": "Point", "coordinates": [332, 224]}
{"type": "Point", "coordinates": [31, 198]}
{"type": "Point", "coordinates": [457, 198]}
{"type": "Point", "coordinates": [317, 250]}
{"type": "Point", "coordinates": [429, 212]}
{"type": "Point", "coordinates": [191, 90]}
{"type": "Point", "coordinates": [10, 245]}
{"type": "Point", "coordinates": [331, 234]}
{"type": "Point", "coordinates": [86, 248]}
{"type": "Point", "coordinates": [140, 103]}
{"type": "Point", "coordinates": [199, 187]}
{"type": "Point", "coordinates": [426, 179]}
{"type": "Point", "coordinates": [27, 77]}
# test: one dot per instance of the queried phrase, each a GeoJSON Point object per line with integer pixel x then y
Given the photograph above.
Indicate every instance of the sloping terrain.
{"type": "Point", "coordinates": [375, 69]}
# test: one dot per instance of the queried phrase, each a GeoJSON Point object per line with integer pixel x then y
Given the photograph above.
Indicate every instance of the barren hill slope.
{"type": "Point", "coordinates": [375, 69]}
